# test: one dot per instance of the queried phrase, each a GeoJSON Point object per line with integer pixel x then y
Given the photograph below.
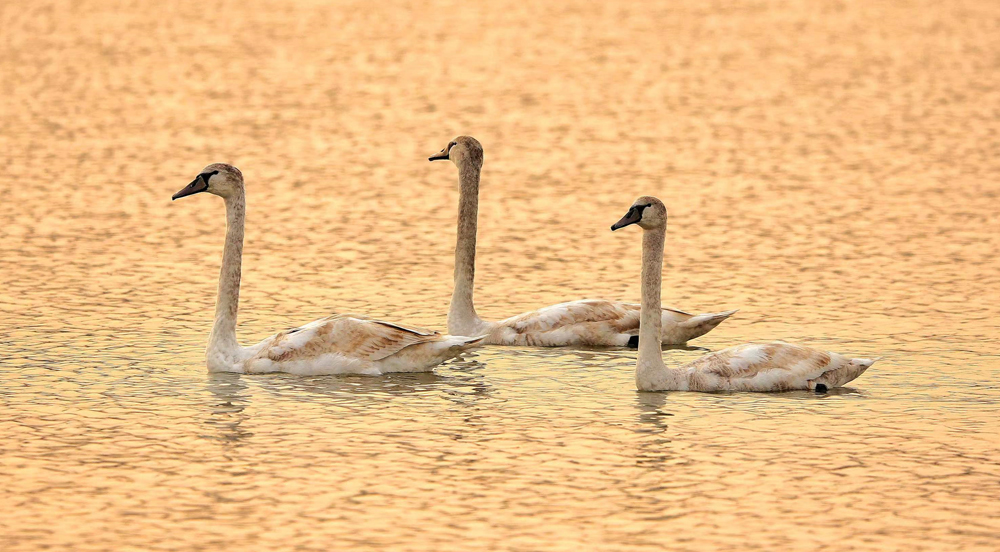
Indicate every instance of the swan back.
{"type": "Point", "coordinates": [350, 343]}
{"type": "Point", "coordinates": [346, 334]}
{"type": "Point", "coordinates": [774, 366]}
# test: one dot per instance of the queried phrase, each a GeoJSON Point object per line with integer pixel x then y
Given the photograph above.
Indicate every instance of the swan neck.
{"type": "Point", "coordinates": [651, 374]}
{"type": "Point", "coordinates": [223, 338]}
{"type": "Point", "coordinates": [462, 317]}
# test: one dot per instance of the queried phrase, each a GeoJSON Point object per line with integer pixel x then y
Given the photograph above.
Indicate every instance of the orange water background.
{"type": "Point", "coordinates": [830, 168]}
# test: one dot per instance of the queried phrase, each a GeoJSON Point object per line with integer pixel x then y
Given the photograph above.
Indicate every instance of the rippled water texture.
{"type": "Point", "coordinates": [831, 168]}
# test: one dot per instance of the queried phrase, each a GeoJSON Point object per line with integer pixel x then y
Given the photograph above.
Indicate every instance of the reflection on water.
{"type": "Point", "coordinates": [830, 169]}
{"type": "Point", "coordinates": [232, 399]}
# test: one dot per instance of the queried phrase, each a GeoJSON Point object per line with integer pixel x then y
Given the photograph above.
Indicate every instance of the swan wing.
{"type": "Point", "coordinates": [349, 335]}
{"type": "Point", "coordinates": [765, 366]}
{"type": "Point", "coordinates": [621, 316]}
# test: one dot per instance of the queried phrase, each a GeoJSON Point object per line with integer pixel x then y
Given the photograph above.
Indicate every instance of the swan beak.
{"type": "Point", "coordinates": [631, 217]}
{"type": "Point", "coordinates": [196, 186]}
{"type": "Point", "coordinates": [441, 156]}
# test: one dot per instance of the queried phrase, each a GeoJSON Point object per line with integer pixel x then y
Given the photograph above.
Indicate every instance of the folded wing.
{"type": "Point", "coordinates": [621, 316]}
{"type": "Point", "coordinates": [773, 366]}
{"type": "Point", "coordinates": [349, 335]}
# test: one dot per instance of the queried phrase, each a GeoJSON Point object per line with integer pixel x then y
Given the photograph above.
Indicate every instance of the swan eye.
{"type": "Point", "coordinates": [452, 144]}
{"type": "Point", "coordinates": [638, 209]}
{"type": "Point", "coordinates": [206, 176]}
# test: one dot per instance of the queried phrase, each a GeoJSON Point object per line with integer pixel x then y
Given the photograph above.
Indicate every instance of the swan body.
{"type": "Point", "coordinates": [588, 322]}
{"type": "Point", "coordinates": [338, 344]}
{"type": "Point", "coordinates": [344, 344]}
{"type": "Point", "coordinates": [760, 367]}
{"type": "Point", "coordinates": [593, 322]}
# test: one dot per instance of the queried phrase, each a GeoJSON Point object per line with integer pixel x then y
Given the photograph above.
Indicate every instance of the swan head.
{"type": "Point", "coordinates": [218, 178]}
{"type": "Point", "coordinates": [647, 211]}
{"type": "Point", "coordinates": [461, 150]}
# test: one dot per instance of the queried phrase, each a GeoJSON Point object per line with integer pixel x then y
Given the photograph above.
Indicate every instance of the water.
{"type": "Point", "coordinates": [830, 168]}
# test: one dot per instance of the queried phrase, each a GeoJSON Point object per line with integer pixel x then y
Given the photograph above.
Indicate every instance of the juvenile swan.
{"type": "Point", "coordinates": [751, 367]}
{"type": "Point", "coordinates": [587, 322]}
{"type": "Point", "coordinates": [338, 344]}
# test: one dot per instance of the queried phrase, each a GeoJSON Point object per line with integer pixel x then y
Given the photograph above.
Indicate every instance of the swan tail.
{"type": "Point", "coordinates": [698, 325]}
{"type": "Point", "coordinates": [463, 343]}
{"type": "Point", "coordinates": [844, 374]}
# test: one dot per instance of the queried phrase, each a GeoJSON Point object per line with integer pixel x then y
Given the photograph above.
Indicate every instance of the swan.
{"type": "Point", "coordinates": [338, 344]}
{"type": "Point", "coordinates": [761, 367]}
{"type": "Point", "coordinates": [593, 322]}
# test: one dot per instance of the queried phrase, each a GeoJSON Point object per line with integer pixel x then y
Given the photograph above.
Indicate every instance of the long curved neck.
{"type": "Point", "coordinates": [462, 317]}
{"type": "Point", "coordinates": [223, 337]}
{"type": "Point", "coordinates": [650, 372]}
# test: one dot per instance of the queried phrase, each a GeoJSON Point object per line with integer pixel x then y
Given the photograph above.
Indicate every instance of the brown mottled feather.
{"type": "Point", "coordinates": [349, 335]}
{"type": "Point", "coordinates": [774, 356]}
{"type": "Point", "coordinates": [622, 317]}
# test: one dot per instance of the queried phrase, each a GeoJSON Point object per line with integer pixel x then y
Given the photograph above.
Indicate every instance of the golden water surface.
{"type": "Point", "coordinates": [831, 168]}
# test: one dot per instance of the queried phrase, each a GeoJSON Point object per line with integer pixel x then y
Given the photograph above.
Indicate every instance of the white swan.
{"type": "Point", "coordinates": [593, 322]}
{"type": "Point", "coordinates": [339, 344]}
{"type": "Point", "coordinates": [751, 367]}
